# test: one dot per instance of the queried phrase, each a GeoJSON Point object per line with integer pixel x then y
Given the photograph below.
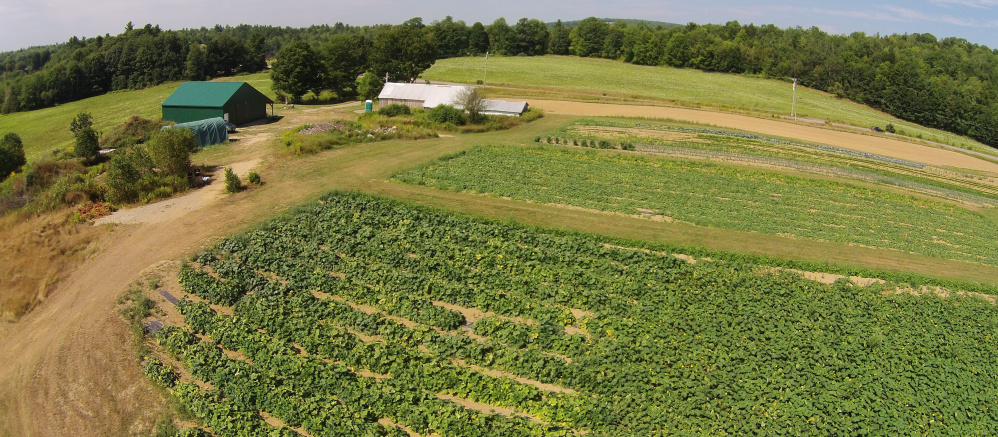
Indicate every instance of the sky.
{"type": "Point", "coordinates": [25, 23]}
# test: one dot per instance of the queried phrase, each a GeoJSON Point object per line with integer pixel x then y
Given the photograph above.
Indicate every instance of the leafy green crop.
{"type": "Point", "coordinates": [641, 342]}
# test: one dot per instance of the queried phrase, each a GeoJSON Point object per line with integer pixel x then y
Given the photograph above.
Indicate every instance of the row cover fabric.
{"type": "Point", "coordinates": [207, 132]}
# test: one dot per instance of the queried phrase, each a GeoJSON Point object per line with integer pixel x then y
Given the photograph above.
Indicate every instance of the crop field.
{"type": "Point", "coordinates": [588, 78]}
{"type": "Point", "coordinates": [718, 196]}
{"type": "Point", "coordinates": [46, 130]}
{"type": "Point", "coordinates": [357, 315]}
{"type": "Point", "coordinates": [684, 140]}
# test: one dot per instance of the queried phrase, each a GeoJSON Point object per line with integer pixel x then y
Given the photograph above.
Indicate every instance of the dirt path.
{"type": "Point", "coordinates": [848, 140]}
{"type": "Point", "coordinates": [68, 368]}
{"type": "Point", "coordinates": [172, 209]}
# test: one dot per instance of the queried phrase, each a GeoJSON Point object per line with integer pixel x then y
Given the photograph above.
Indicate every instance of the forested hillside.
{"type": "Point", "coordinates": [943, 83]}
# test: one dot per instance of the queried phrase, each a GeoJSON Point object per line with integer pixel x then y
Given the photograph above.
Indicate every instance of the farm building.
{"type": "Point", "coordinates": [415, 95]}
{"type": "Point", "coordinates": [502, 107]}
{"type": "Point", "coordinates": [236, 102]}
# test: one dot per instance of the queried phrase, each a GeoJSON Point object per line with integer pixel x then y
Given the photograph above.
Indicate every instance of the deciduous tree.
{"type": "Point", "coordinates": [298, 70]}
{"type": "Point", "coordinates": [345, 57]}
{"type": "Point", "coordinates": [403, 53]}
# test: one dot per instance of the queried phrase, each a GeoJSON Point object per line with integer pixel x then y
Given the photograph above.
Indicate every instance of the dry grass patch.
{"type": "Point", "coordinates": [35, 254]}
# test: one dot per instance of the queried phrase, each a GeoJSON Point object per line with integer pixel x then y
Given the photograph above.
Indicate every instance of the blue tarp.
{"type": "Point", "coordinates": [207, 132]}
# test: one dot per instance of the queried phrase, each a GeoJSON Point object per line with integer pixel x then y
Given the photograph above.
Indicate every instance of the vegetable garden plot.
{"type": "Point", "coordinates": [718, 196]}
{"type": "Point", "coordinates": [671, 348]}
{"type": "Point", "coordinates": [701, 142]}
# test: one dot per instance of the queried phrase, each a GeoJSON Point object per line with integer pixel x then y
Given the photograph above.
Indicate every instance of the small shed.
{"type": "Point", "coordinates": [236, 102]}
{"type": "Point", "coordinates": [502, 107]}
{"type": "Point", "coordinates": [207, 132]}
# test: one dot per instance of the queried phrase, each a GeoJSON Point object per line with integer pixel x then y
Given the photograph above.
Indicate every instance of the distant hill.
{"type": "Point", "coordinates": [649, 23]}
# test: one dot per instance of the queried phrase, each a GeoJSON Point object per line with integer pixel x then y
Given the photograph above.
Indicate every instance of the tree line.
{"type": "Point", "coordinates": [943, 83]}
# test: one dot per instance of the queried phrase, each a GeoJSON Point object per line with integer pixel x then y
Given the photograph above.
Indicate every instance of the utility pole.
{"type": "Point", "coordinates": [484, 79]}
{"type": "Point", "coordinates": [793, 105]}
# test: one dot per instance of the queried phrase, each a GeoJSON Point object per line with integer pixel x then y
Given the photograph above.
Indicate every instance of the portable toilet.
{"type": "Point", "coordinates": [368, 106]}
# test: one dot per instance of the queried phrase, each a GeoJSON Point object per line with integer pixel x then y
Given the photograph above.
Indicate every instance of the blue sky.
{"type": "Point", "coordinates": [36, 22]}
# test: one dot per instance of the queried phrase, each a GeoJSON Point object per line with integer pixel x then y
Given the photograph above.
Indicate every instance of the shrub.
{"type": "Point", "coordinates": [11, 155]}
{"type": "Point", "coordinates": [136, 130]}
{"type": "Point", "coordinates": [537, 139]}
{"type": "Point", "coordinates": [889, 128]}
{"type": "Point", "coordinates": [395, 110]}
{"type": "Point", "coordinates": [87, 145]}
{"type": "Point", "coordinates": [254, 178]}
{"type": "Point", "coordinates": [445, 114]}
{"type": "Point", "coordinates": [369, 86]}
{"type": "Point", "coordinates": [170, 151]}
{"type": "Point", "coordinates": [531, 115]}
{"type": "Point", "coordinates": [232, 182]}
{"type": "Point", "coordinates": [626, 146]}
{"type": "Point", "coordinates": [604, 144]}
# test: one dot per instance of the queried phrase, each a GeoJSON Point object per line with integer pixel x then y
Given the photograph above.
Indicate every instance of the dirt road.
{"type": "Point", "coordinates": [68, 367]}
{"type": "Point", "coordinates": [847, 140]}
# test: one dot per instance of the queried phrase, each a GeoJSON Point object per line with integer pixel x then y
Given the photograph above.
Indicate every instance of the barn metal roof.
{"type": "Point", "coordinates": [503, 107]}
{"type": "Point", "coordinates": [430, 95]}
{"type": "Point", "coordinates": [204, 94]}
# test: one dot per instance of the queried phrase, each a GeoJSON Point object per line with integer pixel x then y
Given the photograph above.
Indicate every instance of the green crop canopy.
{"type": "Point", "coordinates": [207, 132]}
{"type": "Point", "coordinates": [237, 102]}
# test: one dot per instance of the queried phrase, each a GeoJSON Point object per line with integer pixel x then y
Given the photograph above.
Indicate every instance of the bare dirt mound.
{"type": "Point", "coordinates": [847, 140]}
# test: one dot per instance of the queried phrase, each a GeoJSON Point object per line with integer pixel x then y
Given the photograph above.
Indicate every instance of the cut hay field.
{"type": "Point", "coordinates": [47, 130]}
{"type": "Point", "coordinates": [600, 79]}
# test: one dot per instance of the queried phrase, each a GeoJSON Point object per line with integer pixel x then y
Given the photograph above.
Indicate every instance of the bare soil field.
{"type": "Point", "coordinates": [847, 140]}
{"type": "Point", "coordinates": [68, 367]}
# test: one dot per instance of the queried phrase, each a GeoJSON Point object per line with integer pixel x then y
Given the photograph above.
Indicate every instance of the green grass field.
{"type": "Point", "coordinates": [588, 78]}
{"type": "Point", "coordinates": [47, 130]}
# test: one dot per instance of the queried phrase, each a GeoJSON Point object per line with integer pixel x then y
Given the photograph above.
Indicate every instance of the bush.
{"type": "Point", "coordinates": [447, 114]}
{"type": "Point", "coordinates": [11, 155]}
{"type": "Point", "coordinates": [395, 110]}
{"type": "Point", "coordinates": [170, 151]}
{"type": "Point", "coordinates": [254, 178]}
{"type": "Point", "coordinates": [232, 182]}
{"type": "Point", "coordinates": [626, 146]}
{"type": "Point", "coordinates": [889, 128]}
{"type": "Point", "coordinates": [531, 115]}
{"type": "Point", "coordinates": [87, 145]}
{"type": "Point", "coordinates": [369, 86]}
{"type": "Point", "coordinates": [136, 130]}
{"type": "Point", "coordinates": [604, 144]}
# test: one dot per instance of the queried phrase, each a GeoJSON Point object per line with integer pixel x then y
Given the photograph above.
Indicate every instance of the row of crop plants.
{"type": "Point", "coordinates": [719, 196]}
{"type": "Point", "coordinates": [658, 346]}
{"type": "Point", "coordinates": [702, 142]}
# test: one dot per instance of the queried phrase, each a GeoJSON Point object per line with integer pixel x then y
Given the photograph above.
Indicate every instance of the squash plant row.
{"type": "Point", "coordinates": [668, 347]}
{"type": "Point", "coordinates": [323, 396]}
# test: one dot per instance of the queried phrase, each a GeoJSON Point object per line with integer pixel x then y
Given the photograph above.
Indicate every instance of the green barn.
{"type": "Point", "coordinates": [237, 102]}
